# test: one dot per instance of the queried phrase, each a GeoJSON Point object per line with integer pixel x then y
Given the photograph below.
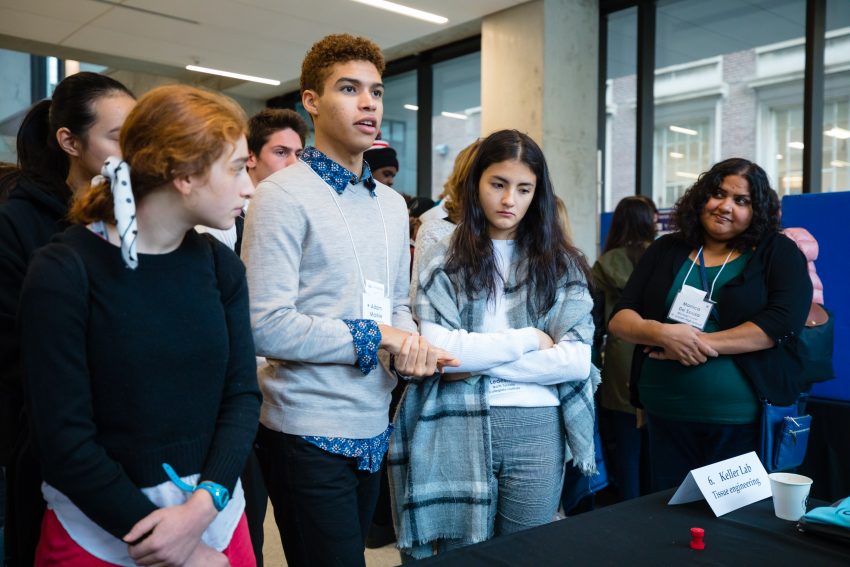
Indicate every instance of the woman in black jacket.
{"type": "Point", "coordinates": [61, 145]}
{"type": "Point", "coordinates": [714, 309]}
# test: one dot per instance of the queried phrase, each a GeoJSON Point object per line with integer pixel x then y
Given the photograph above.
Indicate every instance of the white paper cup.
{"type": "Point", "coordinates": [790, 493]}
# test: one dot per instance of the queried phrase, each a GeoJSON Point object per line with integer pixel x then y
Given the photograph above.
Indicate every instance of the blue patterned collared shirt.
{"type": "Point", "coordinates": [368, 452]}
{"type": "Point", "coordinates": [364, 332]}
{"type": "Point", "coordinates": [333, 173]}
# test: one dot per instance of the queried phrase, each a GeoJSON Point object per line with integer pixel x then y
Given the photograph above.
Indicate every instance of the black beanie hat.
{"type": "Point", "coordinates": [380, 156]}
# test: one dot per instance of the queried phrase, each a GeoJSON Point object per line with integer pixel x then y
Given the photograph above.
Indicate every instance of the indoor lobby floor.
{"type": "Point", "coordinates": [273, 552]}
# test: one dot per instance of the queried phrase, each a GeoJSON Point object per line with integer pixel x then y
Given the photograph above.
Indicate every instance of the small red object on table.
{"type": "Point", "coordinates": [697, 535]}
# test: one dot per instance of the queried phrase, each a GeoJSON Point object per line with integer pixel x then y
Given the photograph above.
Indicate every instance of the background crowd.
{"type": "Point", "coordinates": [159, 385]}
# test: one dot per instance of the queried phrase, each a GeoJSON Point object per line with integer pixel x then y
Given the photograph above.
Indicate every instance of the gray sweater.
{"type": "Point", "coordinates": [303, 281]}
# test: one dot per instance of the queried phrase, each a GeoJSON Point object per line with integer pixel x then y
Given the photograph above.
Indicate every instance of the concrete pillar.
{"type": "Point", "coordinates": [512, 66]}
{"type": "Point", "coordinates": [72, 67]}
{"type": "Point", "coordinates": [539, 67]}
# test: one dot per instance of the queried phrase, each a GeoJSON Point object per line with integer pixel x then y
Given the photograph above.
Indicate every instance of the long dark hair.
{"type": "Point", "coordinates": [547, 255]}
{"type": "Point", "coordinates": [632, 227]}
{"type": "Point", "coordinates": [71, 107]}
{"type": "Point", "coordinates": [765, 203]}
{"type": "Point", "coordinates": [9, 174]}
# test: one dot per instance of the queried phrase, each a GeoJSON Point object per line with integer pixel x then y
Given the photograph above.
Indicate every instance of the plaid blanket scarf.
{"type": "Point", "coordinates": [440, 462]}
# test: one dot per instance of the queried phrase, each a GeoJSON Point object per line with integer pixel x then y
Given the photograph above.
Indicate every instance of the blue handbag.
{"type": "Point", "coordinates": [784, 436]}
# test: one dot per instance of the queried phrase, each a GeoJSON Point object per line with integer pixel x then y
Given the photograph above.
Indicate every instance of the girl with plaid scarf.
{"type": "Point", "coordinates": [480, 451]}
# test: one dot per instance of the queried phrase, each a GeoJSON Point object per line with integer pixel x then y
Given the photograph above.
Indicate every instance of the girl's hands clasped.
{"type": "Point", "coordinates": [169, 536]}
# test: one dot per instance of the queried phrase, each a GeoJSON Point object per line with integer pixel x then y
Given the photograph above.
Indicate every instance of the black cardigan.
{"type": "Point", "coordinates": [774, 292]}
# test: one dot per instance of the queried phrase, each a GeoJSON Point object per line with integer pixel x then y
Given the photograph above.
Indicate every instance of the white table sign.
{"type": "Point", "coordinates": [726, 485]}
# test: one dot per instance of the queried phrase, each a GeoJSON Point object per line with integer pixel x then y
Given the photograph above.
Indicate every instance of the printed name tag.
{"type": "Point", "coordinates": [376, 305]}
{"type": "Point", "coordinates": [374, 287]}
{"type": "Point", "coordinates": [691, 307]}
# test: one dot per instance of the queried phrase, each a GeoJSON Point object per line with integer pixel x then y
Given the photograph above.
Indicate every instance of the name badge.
{"type": "Point", "coordinates": [691, 307]}
{"type": "Point", "coordinates": [376, 305]}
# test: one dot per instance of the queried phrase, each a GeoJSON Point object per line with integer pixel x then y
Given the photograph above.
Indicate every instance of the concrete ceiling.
{"type": "Point", "coordinates": [266, 38]}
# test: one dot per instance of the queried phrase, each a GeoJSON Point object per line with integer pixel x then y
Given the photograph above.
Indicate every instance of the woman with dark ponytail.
{"type": "Point", "coordinates": [61, 145]}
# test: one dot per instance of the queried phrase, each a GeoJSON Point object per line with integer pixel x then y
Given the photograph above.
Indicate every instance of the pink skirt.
{"type": "Point", "coordinates": [55, 547]}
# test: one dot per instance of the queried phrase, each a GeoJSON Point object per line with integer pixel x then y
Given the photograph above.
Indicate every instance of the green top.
{"type": "Point", "coordinates": [610, 274]}
{"type": "Point", "coordinates": [713, 392]}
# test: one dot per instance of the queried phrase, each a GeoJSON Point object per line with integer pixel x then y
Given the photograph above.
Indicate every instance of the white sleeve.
{"type": "Point", "coordinates": [480, 351]}
{"type": "Point", "coordinates": [566, 361]}
{"type": "Point", "coordinates": [226, 237]}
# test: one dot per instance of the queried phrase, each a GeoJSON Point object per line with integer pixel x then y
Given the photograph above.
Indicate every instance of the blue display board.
{"type": "Point", "coordinates": [827, 217]}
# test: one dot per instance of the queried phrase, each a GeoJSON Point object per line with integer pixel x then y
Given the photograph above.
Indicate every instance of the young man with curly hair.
{"type": "Point", "coordinates": [326, 249]}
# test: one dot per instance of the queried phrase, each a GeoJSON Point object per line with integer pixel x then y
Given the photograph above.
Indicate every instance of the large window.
{"type": "Point", "coordinates": [399, 127]}
{"type": "Point", "coordinates": [15, 97]}
{"type": "Point", "coordinates": [722, 63]}
{"type": "Point", "coordinates": [836, 111]}
{"type": "Point", "coordinates": [836, 145]}
{"type": "Point", "coordinates": [782, 113]}
{"type": "Point", "coordinates": [24, 80]}
{"type": "Point", "coordinates": [728, 81]}
{"type": "Point", "coordinates": [786, 149]}
{"type": "Point", "coordinates": [456, 113]}
{"type": "Point", "coordinates": [683, 149]}
{"type": "Point", "coordinates": [620, 97]}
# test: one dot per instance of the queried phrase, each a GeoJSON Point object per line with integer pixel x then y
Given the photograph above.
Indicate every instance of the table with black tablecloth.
{"type": "Point", "coordinates": [646, 531]}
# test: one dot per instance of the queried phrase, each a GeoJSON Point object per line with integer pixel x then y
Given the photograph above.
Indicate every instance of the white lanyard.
{"type": "Point", "coordinates": [335, 198]}
{"type": "Point", "coordinates": [694, 262]}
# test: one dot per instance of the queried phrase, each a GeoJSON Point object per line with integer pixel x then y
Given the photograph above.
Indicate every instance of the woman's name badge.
{"type": "Point", "coordinates": [691, 307]}
{"type": "Point", "coordinates": [376, 305]}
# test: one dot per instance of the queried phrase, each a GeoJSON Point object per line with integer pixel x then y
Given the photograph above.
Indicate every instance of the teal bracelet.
{"type": "Point", "coordinates": [220, 495]}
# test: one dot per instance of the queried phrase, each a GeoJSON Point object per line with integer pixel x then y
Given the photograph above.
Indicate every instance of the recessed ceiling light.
{"type": "Point", "coordinates": [687, 175]}
{"type": "Point", "coordinates": [839, 133]}
{"type": "Point", "coordinates": [796, 145]}
{"type": "Point", "coordinates": [411, 107]}
{"type": "Point", "coordinates": [233, 75]}
{"type": "Point", "coordinates": [454, 115]}
{"type": "Point", "coordinates": [405, 11]}
{"type": "Point", "coordinates": [681, 130]}
{"type": "Point", "coordinates": [839, 163]}
{"type": "Point", "coordinates": [779, 156]}
{"type": "Point", "coordinates": [676, 155]}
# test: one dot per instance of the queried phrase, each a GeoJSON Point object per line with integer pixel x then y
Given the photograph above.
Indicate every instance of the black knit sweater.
{"type": "Point", "coordinates": [128, 369]}
{"type": "Point", "coordinates": [774, 292]}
